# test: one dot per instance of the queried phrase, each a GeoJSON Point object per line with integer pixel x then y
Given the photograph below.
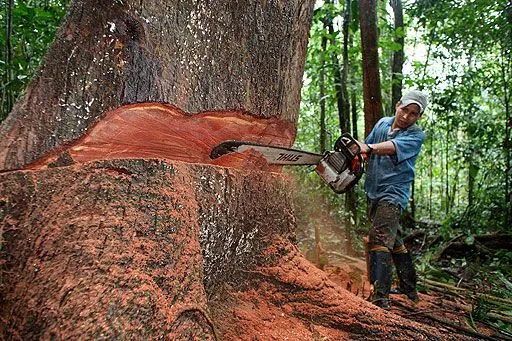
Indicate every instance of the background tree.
{"type": "Point", "coordinates": [371, 74]}
{"type": "Point", "coordinates": [398, 54]}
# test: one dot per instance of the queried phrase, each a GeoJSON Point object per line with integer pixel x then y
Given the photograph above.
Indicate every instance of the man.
{"type": "Point", "coordinates": [392, 146]}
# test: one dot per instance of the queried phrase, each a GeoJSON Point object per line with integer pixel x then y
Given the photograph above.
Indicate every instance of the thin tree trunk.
{"type": "Point", "coordinates": [506, 76]}
{"type": "Point", "coordinates": [398, 56]}
{"type": "Point", "coordinates": [350, 196]}
{"type": "Point", "coordinates": [346, 67]}
{"type": "Point", "coordinates": [8, 95]}
{"type": "Point", "coordinates": [413, 199]}
{"type": "Point", "coordinates": [447, 171]}
{"type": "Point", "coordinates": [371, 75]}
{"type": "Point", "coordinates": [343, 116]}
{"type": "Point", "coordinates": [455, 185]}
{"type": "Point", "coordinates": [323, 128]}
{"type": "Point", "coordinates": [473, 167]}
{"type": "Point", "coordinates": [353, 100]}
{"type": "Point", "coordinates": [431, 176]}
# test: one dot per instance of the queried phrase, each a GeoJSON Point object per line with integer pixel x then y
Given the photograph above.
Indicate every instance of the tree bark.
{"type": "Point", "coordinates": [398, 56]}
{"type": "Point", "coordinates": [323, 96]}
{"type": "Point", "coordinates": [371, 76]}
{"type": "Point", "coordinates": [343, 114]}
{"type": "Point", "coordinates": [7, 94]}
{"type": "Point", "coordinates": [354, 108]}
{"type": "Point", "coordinates": [344, 73]}
{"type": "Point", "coordinates": [130, 248]}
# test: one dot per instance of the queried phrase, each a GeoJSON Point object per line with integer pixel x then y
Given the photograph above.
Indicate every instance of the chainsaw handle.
{"type": "Point", "coordinates": [347, 145]}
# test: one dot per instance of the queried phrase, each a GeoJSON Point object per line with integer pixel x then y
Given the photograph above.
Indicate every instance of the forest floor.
{"type": "Point", "coordinates": [459, 310]}
{"type": "Point", "coordinates": [464, 311]}
{"type": "Point", "coordinates": [435, 308]}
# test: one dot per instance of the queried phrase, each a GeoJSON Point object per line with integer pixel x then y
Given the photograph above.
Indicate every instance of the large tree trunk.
{"type": "Point", "coordinates": [132, 249]}
{"type": "Point", "coordinates": [115, 222]}
{"type": "Point", "coordinates": [199, 56]}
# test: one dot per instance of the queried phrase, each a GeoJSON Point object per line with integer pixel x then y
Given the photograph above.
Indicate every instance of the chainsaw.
{"type": "Point", "coordinates": [340, 169]}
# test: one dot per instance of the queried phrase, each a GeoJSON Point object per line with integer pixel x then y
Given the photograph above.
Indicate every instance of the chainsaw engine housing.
{"type": "Point", "coordinates": [342, 168]}
{"type": "Point", "coordinates": [335, 172]}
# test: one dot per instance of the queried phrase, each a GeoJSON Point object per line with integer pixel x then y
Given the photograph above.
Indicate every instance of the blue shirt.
{"type": "Point", "coordinates": [389, 177]}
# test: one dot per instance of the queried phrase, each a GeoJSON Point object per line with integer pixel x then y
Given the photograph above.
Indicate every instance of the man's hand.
{"type": "Point", "coordinates": [365, 149]}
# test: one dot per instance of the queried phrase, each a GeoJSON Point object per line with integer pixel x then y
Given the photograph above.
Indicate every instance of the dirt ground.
{"type": "Point", "coordinates": [436, 309]}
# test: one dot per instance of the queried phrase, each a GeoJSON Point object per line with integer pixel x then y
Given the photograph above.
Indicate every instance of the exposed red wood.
{"type": "Point", "coordinates": [162, 131]}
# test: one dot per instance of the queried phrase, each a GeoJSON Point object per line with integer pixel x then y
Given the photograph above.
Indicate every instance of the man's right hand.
{"type": "Point", "coordinates": [364, 147]}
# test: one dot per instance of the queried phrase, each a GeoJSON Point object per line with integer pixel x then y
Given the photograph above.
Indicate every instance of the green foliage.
{"type": "Point", "coordinates": [459, 53]}
{"type": "Point", "coordinates": [468, 112]}
{"type": "Point", "coordinates": [34, 24]}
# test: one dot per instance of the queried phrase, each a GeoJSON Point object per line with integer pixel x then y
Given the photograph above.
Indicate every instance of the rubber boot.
{"type": "Point", "coordinates": [380, 277]}
{"type": "Point", "coordinates": [406, 275]}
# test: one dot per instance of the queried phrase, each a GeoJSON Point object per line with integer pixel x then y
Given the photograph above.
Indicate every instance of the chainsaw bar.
{"type": "Point", "coordinates": [273, 154]}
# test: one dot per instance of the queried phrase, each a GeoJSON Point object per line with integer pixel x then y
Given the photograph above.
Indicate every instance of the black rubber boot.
{"type": "Point", "coordinates": [380, 277]}
{"type": "Point", "coordinates": [406, 275]}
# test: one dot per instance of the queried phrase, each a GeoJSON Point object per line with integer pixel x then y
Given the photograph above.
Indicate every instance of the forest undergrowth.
{"type": "Point", "coordinates": [464, 281]}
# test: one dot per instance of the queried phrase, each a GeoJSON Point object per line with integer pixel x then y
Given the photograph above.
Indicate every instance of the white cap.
{"type": "Point", "coordinates": [415, 97]}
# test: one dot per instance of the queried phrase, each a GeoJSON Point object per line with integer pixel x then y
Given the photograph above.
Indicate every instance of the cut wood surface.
{"type": "Point", "coordinates": [155, 130]}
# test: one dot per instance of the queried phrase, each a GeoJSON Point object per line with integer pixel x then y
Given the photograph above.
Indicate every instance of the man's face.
{"type": "Point", "coordinates": [406, 116]}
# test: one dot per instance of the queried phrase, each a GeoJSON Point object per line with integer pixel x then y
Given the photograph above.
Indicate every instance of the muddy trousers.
{"type": "Point", "coordinates": [380, 277]}
{"type": "Point", "coordinates": [406, 275]}
{"type": "Point", "coordinates": [387, 247]}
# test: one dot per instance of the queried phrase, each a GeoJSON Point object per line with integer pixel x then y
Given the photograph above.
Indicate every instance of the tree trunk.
{"type": "Point", "coordinates": [398, 56]}
{"type": "Point", "coordinates": [506, 75]}
{"type": "Point", "coordinates": [7, 94]}
{"type": "Point", "coordinates": [431, 176]}
{"type": "Point", "coordinates": [321, 81]}
{"type": "Point", "coordinates": [346, 67]}
{"type": "Point", "coordinates": [127, 229]}
{"type": "Point", "coordinates": [354, 8]}
{"type": "Point", "coordinates": [371, 76]}
{"type": "Point", "coordinates": [350, 197]}
{"type": "Point", "coordinates": [353, 105]}
{"type": "Point", "coordinates": [323, 132]}
{"type": "Point", "coordinates": [247, 57]}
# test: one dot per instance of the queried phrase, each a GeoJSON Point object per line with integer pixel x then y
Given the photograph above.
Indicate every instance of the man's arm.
{"type": "Point", "coordinates": [382, 148]}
